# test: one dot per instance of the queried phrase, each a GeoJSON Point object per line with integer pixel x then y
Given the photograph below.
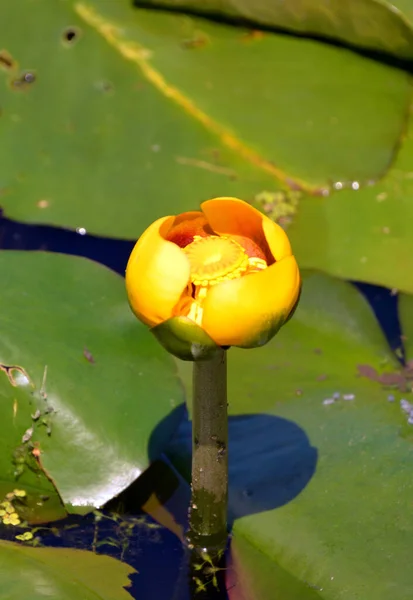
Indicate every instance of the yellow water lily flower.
{"type": "Point", "coordinates": [222, 276]}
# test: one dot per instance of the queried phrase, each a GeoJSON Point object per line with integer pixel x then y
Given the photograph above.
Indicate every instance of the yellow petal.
{"type": "Point", "coordinates": [247, 312]}
{"type": "Point", "coordinates": [190, 215]}
{"type": "Point", "coordinates": [233, 216]}
{"type": "Point", "coordinates": [157, 273]}
{"type": "Point", "coordinates": [277, 239]}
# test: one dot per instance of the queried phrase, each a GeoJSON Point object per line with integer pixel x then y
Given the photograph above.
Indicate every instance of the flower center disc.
{"type": "Point", "coordinates": [214, 259]}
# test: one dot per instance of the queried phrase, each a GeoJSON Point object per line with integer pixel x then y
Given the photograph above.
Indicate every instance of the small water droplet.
{"type": "Point", "coordinates": [81, 230]}
{"type": "Point", "coordinates": [355, 185]}
{"type": "Point", "coordinates": [29, 77]}
{"type": "Point", "coordinates": [328, 401]}
{"type": "Point", "coordinates": [194, 507]}
{"type": "Point", "coordinates": [21, 379]}
{"type": "Point", "coordinates": [348, 396]}
{"type": "Point", "coordinates": [338, 185]}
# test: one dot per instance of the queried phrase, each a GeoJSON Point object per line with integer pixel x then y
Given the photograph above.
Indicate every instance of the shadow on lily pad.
{"type": "Point", "coordinates": [271, 461]}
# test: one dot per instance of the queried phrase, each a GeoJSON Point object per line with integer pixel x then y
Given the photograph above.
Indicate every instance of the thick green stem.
{"type": "Point", "coordinates": [208, 511]}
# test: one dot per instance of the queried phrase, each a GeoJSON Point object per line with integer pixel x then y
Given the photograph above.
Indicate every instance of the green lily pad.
{"type": "Point", "coordinates": [347, 533]}
{"type": "Point", "coordinates": [88, 133]}
{"type": "Point", "coordinates": [67, 574]}
{"type": "Point", "coordinates": [375, 25]}
{"type": "Point", "coordinates": [93, 381]}
{"type": "Point", "coordinates": [253, 575]}
{"type": "Point", "coordinates": [316, 126]}
{"type": "Point", "coordinates": [167, 119]}
{"type": "Point", "coordinates": [162, 94]}
{"type": "Point", "coordinates": [362, 234]}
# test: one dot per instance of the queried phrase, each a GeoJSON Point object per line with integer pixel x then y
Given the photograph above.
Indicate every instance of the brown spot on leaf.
{"type": "Point", "coordinates": [42, 203]}
{"type": "Point", "coordinates": [88, 355]}
{"type": "Point", "coordinates": [71, 35]}
{"type": "Point", "coordinates": [36, 452]}
{"type": "Point", "coordinates": [23, 82]}
{"type": "Point", "coordinates": [7, 62]}
{"type": "Point", "coordinates": [390, 379]}
{"type": "Point", "coordinates": [368, 371]}
{"type": "Point", "coordinates": [252, 36]}
{"type": "Point", "coordinates": [197, 41]}
{"type": "Point", "coordinates": [393, 379]}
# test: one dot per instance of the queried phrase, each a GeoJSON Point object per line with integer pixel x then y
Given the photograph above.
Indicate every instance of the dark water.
{"type": "Point", "coordinates": [154, 551]}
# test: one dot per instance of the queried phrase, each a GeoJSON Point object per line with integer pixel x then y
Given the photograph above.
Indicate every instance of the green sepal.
{"type": "Point", "coordinates": [186, 340]}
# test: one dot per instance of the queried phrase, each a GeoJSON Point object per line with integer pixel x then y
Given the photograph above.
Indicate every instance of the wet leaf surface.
{"type": "Point", "coordinates": [362, 234]}
{"type": "Point", "coordinates": [326, 536]}
{"type": "Point", "coordinates": [87, 139]}
{"type": "Point", "coordinates": [154, 102]}
{"type": "Point", "coordinates": [90, 422]}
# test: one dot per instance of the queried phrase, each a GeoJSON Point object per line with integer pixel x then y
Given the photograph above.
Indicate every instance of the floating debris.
{"type": "Point", "coordinates": [27, 435]}
{"type": "Point", "coordinates": [25, 537]}
{"type": "Point", "coordinates": [36, 415]}
{"type": "Point", "coordinates": [336, 397]}
{"type": "Point", "coordinates": [280, 206]}
{"type": "Point", "coordinates": [407, 407]}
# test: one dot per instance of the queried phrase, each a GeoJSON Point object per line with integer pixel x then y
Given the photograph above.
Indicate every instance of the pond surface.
{"type": "Point", "coordinates": [153, 550]}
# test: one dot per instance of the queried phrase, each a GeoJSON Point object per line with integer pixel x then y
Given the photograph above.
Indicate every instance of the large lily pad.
{"type": "Point", "coordinates": [344, 535]}
{"type": "Point", "coordinates": [90, 382]}
{"type": "Point", "coordinates": [168, 118]}
{"type": "Point", "coordinates": [39, 573]}
{"type": "Point", "coordinates": [312, 128]}
{"type": "Point", "coordinates": [91, 142]}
